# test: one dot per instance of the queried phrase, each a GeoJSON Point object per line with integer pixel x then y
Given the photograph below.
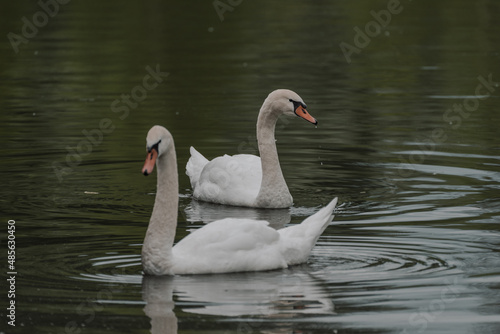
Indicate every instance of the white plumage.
{"type": "Point", "coordinates": [249, 180]}
{"type": "Point", "coordinates": [223, 246]}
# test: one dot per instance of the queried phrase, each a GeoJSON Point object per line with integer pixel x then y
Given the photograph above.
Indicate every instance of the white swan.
{"type": "Point", "coordinates": [244, 179]}
{"type": "Point", "coordinates": [223, 246]}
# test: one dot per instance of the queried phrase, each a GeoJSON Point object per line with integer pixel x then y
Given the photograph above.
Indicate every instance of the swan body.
{"type": "Point", "coordinates": [244, 179]}
{"type": "Point", "coordinates": [230, 180]}
{"type": "Point", "coordinates": [223, 246]}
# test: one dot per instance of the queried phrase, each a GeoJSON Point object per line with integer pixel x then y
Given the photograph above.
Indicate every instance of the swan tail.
{"type": "Point", "coordinates": [317, 223]}
{"type": "Point", "coordinates": [300, 239]}
{"type": "Point", "coordinates": [194, 166]}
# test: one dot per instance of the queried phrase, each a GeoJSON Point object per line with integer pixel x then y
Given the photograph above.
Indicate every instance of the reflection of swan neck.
{"type": "Point", "coordinates": [273, 182]}
{"type": "Point", "coordinates": [157, 248]}
{"type": "Point", "coordinates": [163, 319]}
{"type": "Point", "coordinates": [157, 293]}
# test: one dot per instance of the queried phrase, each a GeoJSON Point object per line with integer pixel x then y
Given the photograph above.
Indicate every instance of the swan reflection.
{"type": "Point", "coordinates": [275, 294]}
{"type": "Point", "coordinates": [157, 293]}
{"type": "Point", "coordinates": [208, 212]}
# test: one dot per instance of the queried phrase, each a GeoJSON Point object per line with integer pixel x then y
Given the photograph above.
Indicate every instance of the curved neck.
{"type": "Point", "coordinates": [157, 247]}
{"type": "Point", "coordinates": [273, 182]}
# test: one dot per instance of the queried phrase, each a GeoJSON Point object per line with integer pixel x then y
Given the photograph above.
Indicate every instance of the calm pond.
{"type": "Point", "coordinates": [407, 98]}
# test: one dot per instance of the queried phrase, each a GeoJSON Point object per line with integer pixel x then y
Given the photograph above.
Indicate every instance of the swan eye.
{"type": "Point", "coordinates": [155, 146]}
{"type": "Point", "coordinates": [296, 104]}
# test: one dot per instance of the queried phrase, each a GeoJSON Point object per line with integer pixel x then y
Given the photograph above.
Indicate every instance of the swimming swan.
{"type": "Point", "coordinates": [245, 179]}
{"type": "Point", "coordinates": [223, 246]}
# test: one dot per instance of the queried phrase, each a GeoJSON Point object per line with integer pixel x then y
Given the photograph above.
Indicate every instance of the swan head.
{"type": "Point", "coordinates": [158, 142]}
{"type": "Point", "coordinates": [288, 103]}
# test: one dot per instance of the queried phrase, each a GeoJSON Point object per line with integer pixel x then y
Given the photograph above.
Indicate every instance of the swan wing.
{"type": "Point", "coordinates": [229, 245]}
{"type": "Point", "coordinates": [232, 180]}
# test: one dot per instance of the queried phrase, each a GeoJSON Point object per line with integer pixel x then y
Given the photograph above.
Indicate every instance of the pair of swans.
{"type": "Point", "coordinates": [228, 245]}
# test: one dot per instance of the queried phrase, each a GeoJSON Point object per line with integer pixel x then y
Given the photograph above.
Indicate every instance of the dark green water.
{"type": "Point", "coordinates": [408, 139]}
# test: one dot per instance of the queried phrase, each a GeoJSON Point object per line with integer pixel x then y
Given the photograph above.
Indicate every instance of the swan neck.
{"type": "Point", "coordinates": [157, 248]}
{"type": "Point", "coordinates": [266, 124]}
{"type": "Point", "coordinates": [273, 188]}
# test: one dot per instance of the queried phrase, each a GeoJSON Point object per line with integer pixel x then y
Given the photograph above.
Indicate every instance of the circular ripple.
{"type": "Point", "coordinates": [355, 258]}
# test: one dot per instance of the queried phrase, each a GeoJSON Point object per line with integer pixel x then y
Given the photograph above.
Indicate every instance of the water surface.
{"type": "Point", "coordinates": [406, 140]}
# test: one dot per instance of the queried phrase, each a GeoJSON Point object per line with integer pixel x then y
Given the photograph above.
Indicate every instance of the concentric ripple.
{"type": "Point", "coordinates": [368, 258]}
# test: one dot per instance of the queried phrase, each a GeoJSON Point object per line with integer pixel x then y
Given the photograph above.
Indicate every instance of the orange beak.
{"type": "Point", "coordinates": [302, 112]}
{"type": "Point", "coordinates": [149, 165]}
